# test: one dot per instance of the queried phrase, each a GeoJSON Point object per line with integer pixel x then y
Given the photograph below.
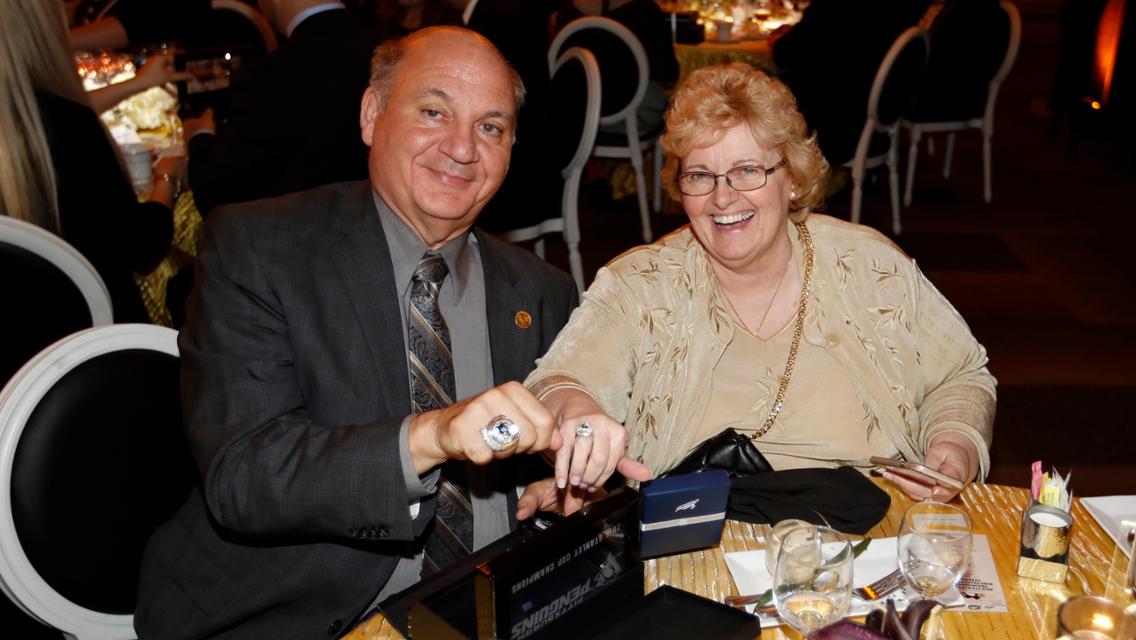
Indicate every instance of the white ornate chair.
{"type": "Point", "coordinates": [92, 459]}
{"type": "Point", "coordinates": [50, 291]}
{"type": "Point", "coordinates": [893, 90]}
{"type": "Point", "coordinates": [621, 99]}
{"type": "Point", "coordinates": [575, 92]}
{"type": "Point", "coordinates": [932, 118]}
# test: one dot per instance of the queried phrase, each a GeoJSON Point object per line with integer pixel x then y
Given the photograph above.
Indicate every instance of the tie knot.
{"type": "Point", "coordinates": [431, 269]}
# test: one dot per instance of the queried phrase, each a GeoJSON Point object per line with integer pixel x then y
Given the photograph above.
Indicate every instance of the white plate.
{"type": "Point", "coordinates": [878, 560]}
{"type": "Point", "coordinates": [1111, 512]}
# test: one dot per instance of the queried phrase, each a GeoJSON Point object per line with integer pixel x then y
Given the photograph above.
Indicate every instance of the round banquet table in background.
{"type": "Point", "coordinates": [1097, 566]}
{"type": "Point", "coordinates": [691, 57]}
{"type": "Point", "coordinates": [183, 250]}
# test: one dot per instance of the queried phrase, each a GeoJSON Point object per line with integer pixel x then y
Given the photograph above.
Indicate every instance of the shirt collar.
{"type": "Point", "coordinates": [309, 12]}
{"type": "Point", "coordinates": [406, 249]}
{"type": "Point", "coordinates": [468, 12]}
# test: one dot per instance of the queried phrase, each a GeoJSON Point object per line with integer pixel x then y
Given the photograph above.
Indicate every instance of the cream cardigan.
{"type": "Point", "coordinates": [647, 338]}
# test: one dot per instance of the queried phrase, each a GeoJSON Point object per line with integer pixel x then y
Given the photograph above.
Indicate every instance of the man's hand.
{"type": "Point", "coordinates": [951, 453]}
{"type": "Point", "coordinates": [543, 495]}
{"type": "Point", "coordinates": [203, 123]}
{"type": "Point", "coordinates": [587, 462]}
{"type": "Point", "coordinates": [454, 432]}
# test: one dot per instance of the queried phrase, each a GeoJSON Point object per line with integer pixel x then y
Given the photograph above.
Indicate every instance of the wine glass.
{"type": "Point", "coordinates": [812, 583]}
{"type": "Point", "coordinates": [773, 541]}
{"type": "Point", "coordinates": [934, 547]}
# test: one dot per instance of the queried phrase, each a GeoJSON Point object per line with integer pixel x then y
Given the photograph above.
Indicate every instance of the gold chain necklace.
{"type": "Point", "coordinates": [799, 328]}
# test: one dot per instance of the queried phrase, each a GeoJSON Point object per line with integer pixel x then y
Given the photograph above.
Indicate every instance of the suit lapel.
{"type": "Point", "coordinates": [363, 261]}
{"type": "Point", "coordinates": [514, 348]}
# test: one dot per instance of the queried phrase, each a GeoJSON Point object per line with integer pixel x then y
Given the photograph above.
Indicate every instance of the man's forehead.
{"type": "Point", "coordinates": [432, 74]}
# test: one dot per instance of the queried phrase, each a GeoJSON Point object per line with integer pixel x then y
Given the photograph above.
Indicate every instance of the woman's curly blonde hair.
{"type": "Point", "coordinates": [714, 99]}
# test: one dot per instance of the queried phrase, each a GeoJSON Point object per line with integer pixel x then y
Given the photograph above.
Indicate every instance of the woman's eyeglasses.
{"type": "Point", "coordinates": [744, 178]}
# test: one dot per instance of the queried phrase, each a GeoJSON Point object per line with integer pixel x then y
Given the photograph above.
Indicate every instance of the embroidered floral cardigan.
{"type": "Point", "coordinates": [648, 336]}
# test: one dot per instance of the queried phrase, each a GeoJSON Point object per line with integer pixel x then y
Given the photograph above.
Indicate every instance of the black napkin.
{"type": "Point", "coordinates": [842, 498]}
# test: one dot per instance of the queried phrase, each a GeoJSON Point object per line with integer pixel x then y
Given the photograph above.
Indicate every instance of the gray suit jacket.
{"type": "Point", "coordinates": [294, 385]}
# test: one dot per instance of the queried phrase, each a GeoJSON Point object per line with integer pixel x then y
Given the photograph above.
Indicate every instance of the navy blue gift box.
{"type": "Point", "coordinates": [683, 512]}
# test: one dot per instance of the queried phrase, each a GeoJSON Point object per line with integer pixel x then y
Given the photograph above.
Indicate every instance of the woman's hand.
{"type": "Point", "coordinates": [174, 166]}
{"type": "Point", "coordinates": [951, 453]}
{"type": "Point", "coordinates": [586, 462]}
{"type": "Point", "coordinates": [166, 190]}
{"type": "Point", "coordinates": [158, 70]}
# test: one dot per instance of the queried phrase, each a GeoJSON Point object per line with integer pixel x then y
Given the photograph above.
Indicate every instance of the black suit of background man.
{"type": "Point", "coordinates": [292, 119]}
{"type": "Point", "coordinates": [830, 58]}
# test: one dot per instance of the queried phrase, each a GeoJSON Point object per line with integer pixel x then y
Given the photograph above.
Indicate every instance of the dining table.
{"type": "Point", "coordinates": [1097, 566]}
{"type": "Point", "coordinates": [182, 253]}
{"type": "Point", "coordinates": [757, 52]}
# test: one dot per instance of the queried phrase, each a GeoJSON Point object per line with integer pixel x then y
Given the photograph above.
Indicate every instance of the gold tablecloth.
{"type": "Point", "coordinates": [183, 250]}
{"type": "Point", "coordinates": [1097, 566]}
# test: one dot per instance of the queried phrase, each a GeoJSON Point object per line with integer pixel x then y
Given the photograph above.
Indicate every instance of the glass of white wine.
{"type": "Point", "coordinates": [812, 582]}
{"type": "Point", "coordinates": [934, 547]}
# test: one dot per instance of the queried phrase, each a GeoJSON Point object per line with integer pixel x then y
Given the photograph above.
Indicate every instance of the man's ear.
{"type": "Point", "coordinates": [369, 110]}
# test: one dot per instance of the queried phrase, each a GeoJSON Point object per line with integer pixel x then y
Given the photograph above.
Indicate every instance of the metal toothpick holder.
{"type": "Point", "coordinates": [1045, 543]}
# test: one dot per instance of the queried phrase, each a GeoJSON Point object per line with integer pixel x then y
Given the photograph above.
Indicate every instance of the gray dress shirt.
{"type": "Point", "coordinates": [462, 301]}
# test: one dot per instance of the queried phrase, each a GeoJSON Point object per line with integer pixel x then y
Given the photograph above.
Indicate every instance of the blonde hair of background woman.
{"type": "Point", "coordinates": [713, 99]}
{"type": "Point", "coordinates": [35, 54]}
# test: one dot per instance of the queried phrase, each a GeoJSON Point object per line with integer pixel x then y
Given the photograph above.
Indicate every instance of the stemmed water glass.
{"type": "Point", "coordinates": [934, 547]}
{"type": "Point", "coordinates": [812, 582]}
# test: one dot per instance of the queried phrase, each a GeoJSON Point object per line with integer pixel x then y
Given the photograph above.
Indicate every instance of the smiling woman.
{"type": "Point", "coordinates": [737, 319]}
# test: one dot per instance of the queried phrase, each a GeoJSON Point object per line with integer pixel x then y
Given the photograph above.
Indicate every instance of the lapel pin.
{"type": "Point", "coordinates": [523, 319]}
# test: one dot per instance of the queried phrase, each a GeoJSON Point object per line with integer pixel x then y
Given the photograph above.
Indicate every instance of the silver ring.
{"type": "Point", "coordinates": [583, 430]}
{"type": "Point", "coordinates": [501, 433]}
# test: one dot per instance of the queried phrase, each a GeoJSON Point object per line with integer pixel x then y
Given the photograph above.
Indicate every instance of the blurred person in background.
{"type": "Point", "coordinates": [829, 59]}
{"type": "Point", "coordinates": [58, 166]}
{"type": "Point", "coordinates": [110, 25]}
{"type": "Point", "coordinates": [292, 114]}
{"type": "Point", "coordinates": [397, 18]}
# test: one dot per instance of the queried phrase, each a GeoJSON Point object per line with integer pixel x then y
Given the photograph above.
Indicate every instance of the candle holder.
{"type": "Point", "coordinates": [1044, 552]}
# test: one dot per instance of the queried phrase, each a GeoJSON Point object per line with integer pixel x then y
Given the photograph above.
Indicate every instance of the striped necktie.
{"type": "Point", "coordinates": [432, 387]}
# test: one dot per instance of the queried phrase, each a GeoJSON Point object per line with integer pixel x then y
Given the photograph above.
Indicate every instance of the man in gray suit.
{"type": "Point", "coordinates": [317, 455]}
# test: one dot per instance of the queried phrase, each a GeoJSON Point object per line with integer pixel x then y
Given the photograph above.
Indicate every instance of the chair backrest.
{"type": "Point", "coordinates": [619, 54]}
{"type": "Point", "coordinates": [575, 108]}
{"type": "Point", "coordinates": [92, 459]}
{"type": "Point", "coordinates": [1015, 22]}
{"type": "Point", "coordinates": [898, 78]}
{"type": "Point", "coordinates": [574, 105]}
{"type": "Point", "coordinates": [50, 291]}
{"type": "Point", "coordinates": [973, 47]}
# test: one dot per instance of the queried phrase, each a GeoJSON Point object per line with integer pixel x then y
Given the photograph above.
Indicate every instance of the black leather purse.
{"type": "Point", "coordinates": [729, 451]}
